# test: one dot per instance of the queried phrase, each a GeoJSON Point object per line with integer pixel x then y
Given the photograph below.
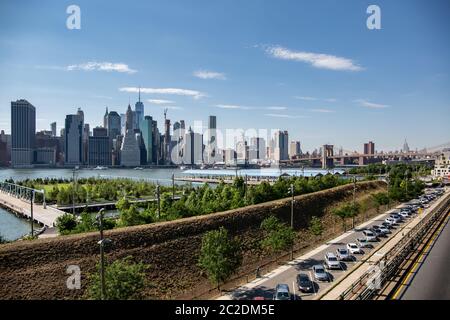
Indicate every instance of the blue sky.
{"type": "Point", "coordinates": [311, 67]}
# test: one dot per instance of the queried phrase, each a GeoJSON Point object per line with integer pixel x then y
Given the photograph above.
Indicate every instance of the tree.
{"type": "Point", "coordinates": [66, 223]}
{"type": "Point", "coordinates": [278, 236]}
{"type": "Point", "coordinates": [315, 226]}
{"type": "Point", "coordinates": [2, 240]}
{"type": "Point", "coordinates": [341, 212]}
{"type": "Point", "coordinates": [380, 198]}
{"type": "Point", "coordinates": [124, 280]}
{"type": "Point", "coordinates": [220, 256]}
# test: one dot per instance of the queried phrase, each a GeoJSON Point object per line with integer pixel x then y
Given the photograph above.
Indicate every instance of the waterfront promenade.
{"type": "Point", "coordinates": [46, 216]}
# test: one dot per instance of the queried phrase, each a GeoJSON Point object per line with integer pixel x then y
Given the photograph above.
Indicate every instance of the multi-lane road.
{"type": "Point", "coordinates": [265, 286]}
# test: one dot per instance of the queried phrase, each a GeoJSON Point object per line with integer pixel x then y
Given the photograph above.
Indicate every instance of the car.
{"type": "Point", "coordinates": [380, 231]}
{"type": "Point", "coordinates": [320, 273]}
{"type": "Point", "coordinates": [363, 243]}
{"type": "Point", "coordinates": [396, 217]}
{"type": "Point", "coordinates": [354, 249]}
{"type": "Point", "coordinates": [343, 254]}
{"type": "Point", "coordinates": [404, 214]}
{"type": "Point", "coordinates": [391, 221]}
{"type": "Point", "coordinates": [377, 232]}
{"type": "Point", "coordinates": [282, 292]}
{"type": "Point", "coordinates": [387, 225]}
{"type": "Point", "coordinates": [332, 262]}
{"type": "Point", "coordinates": [385, 230]}
{"type": "Point", "coordinates": [370, 236]}
{"type": "Point", "coordinates": [304, 283]}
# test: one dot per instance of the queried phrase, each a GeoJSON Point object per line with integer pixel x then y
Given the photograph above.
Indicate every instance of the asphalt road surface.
{"type": "Point", "coordinates": [265, 287]}
{"type": "Point", "coordinates": [431, 281]}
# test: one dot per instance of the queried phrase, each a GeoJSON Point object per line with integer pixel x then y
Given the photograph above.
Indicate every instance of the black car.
{"type": "Point", "coordinates": [304, 283]}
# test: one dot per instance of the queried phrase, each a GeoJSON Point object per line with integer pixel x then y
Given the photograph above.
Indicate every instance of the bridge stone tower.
{"type": "Point", "coordinates": [327, 154]}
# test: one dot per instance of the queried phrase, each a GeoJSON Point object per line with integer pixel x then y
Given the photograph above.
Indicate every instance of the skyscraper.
{"type": "Point", "coordinates": [212, 140]}
{"type": "Point", "coordinates": [99, 148]}
{"type": "Point", "coordinates": [53, 129]}
{"type": "Point", "coordinates": [105, 118]}
{"type": "Point", "coordinates": [147, 136]}
{"type": "Point", "coordinates": [129, 120]}
{"type": "Point", "coordinates": [23, 130]}
{"type": "Point", "coordinates": [405, 148]}
{"type": "Point", "coordinates": [167, 141]}
{"type": "Point", "coordinates": [281, 146]}
{"type": "Point", "coordinates": [73, 139]}
{"type": "Point", "coordinates": [294, 149]}
{"type": "Point", "coordinates": [193, 148]}
{"type": "Point", "coordinates": [369, 148]}
{"type": "Point", "coordinates": [139, 111]}
{"type": "Point", "coordinates": [113, 124]}
{"type": "Point", "coordinates": [257, 150]}
{"type": "Point", "coordinates": [131, 151]}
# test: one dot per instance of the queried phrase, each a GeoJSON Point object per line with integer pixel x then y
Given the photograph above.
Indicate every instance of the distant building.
{"type": "Point", "coordinates": [442, 166]}
{"type": "Point", "coordinates": [211, 147]}
{"type": "Point", "coordinates": [257, 149]}
{"type": "Point", "coordinates": [5, 149]}
{"type": "Point", "coordinates": [53, 128]}
{"type": "Point", "coordinates": [139, 111]}
{"type": "Point", "coordinates": [130, 152]}
{"type": "Point", "coordinates": [230, 157]}
{"type": "Point", "coordinates": [405, 148]}
{"type": "Point", "coordinates": [46, 140]}
{"type": "Point", "coordinates": [369, 148]}
{"type": "Point", "coordinates": [129, 119]}
{"type": "Point", "coordinates": [45, 156]}
{"type": "Point", "coordinates": [23, 130]}
{"type": "Point", "coordinates": [99, 148]}
{"type": "Point", "coordinates": [281, 146]}
{"type": "Point", "coordinates": [73, 140]}
{"type": "Point", "coordinates": [147, 136]}
{"type": "Point", "coordinates": [193, 148]}
{"type": "Point", "coordinates": [294, 149]}
{"type": "Point", "coordinates": [113, 124]}
{"type": "Point", "coordinates": [242, 152]}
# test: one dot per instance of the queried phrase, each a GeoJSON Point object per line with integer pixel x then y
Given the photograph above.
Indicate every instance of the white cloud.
{"type": "Point", "coordinates": [160, 101]}
{"type": "Point", "coordinates": [204, 74]}
{"type": "Point", "coordinates": [276, 108]}
{"type": "Point", "coordinates": [279, 115]}
{"type": "Point", "coordinates": [331, 100]}
{"type": "Point", "coordinates": [232, 106]}
{"type": "Point", "coordinates": [368, 104]}
{"type": "Point", "coordinates": [317, 60]}
{"type": "Point", "coordinates": [323, 110]}
{"type": "Point", "coordinates": [305, 98]}
{"type": "Point", "coordinates": [101, 66]}
{"type": "Point", "coordinates": [170, 91]}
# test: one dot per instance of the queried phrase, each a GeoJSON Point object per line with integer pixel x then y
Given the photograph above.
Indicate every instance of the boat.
{"type": "Point", "coordinates": [100, 168]}
{"type": "Point", "coordinates": [138, 168]}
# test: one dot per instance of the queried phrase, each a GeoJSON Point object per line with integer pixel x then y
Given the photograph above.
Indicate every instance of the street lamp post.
{"type": "Point", "coordinates": [292, 217]}
{"type": "Point", "coordinates": [102, 254]}
{"type": "Point", "coordinates": [173, 186]}
{"type": "Point", "coordinates": [158, 201]}
{"type": "Point", "coordinates": [31, 213]}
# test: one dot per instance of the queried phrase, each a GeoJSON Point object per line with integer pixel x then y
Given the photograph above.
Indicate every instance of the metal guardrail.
{"type": "Point", "coordinates": [370, 282]}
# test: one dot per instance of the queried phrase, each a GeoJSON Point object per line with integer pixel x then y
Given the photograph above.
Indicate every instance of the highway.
{"type": "Point", "coordinates": [265, 286]}
{"type": "Point", "coordinates": [430, 277]}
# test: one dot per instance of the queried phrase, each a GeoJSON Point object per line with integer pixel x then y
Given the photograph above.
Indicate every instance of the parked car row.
{"type": "Point", "coordinates": [369, 236]}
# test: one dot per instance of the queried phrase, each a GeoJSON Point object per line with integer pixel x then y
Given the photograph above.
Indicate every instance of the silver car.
{"type": "Point", "coordinates": [343, 254]}
{"type": "Point", "coordinates": [332, 262]}
{"type": "Point", "coordinates": [320, 274]}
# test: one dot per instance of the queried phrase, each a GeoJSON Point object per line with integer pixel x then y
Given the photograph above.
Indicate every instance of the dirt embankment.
{"type": "Point", "coordinates": [37, 269]}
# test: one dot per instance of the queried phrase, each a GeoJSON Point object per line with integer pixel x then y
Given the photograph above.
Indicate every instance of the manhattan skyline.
{"type": "Point", "coordinates": [320, 73]}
